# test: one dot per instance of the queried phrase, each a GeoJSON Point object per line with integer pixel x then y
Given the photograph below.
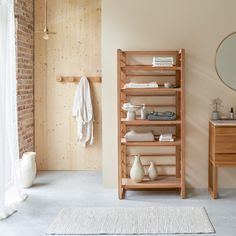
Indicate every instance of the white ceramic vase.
{"type": "Point", "coordinates": [137, 171]}
{"type": "Point", "coordinates": [152, 171]}
{"type": "Point", "coordinates": [28, 169]}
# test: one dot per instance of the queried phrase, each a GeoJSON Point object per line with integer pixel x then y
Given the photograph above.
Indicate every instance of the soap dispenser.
{"type": "Point", "coordinates": [231, 114]}
{"type": "Point", "coordinates": [143, 112]}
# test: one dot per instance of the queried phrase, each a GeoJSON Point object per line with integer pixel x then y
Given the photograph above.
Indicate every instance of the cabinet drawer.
{"type": "Point", "coordinates": [225, 144]}
{"type": "Point", "coordinates": [225, 131]}
{"type": "Point", "coordinates": [226, 158]}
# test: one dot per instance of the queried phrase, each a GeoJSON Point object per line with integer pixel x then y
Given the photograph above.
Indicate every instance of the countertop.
{"type": "Point", "coordinates": [223, 122]}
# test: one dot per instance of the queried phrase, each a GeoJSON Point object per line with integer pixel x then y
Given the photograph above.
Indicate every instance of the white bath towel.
{"type": "Point", "coordinates": [166, 138]}
{"type": "Point", "coordinates": [83, 112]}
{"type": "Point", "coordinates": [135, 136]}
{"type": "Point", "coordinates": [141, 85]}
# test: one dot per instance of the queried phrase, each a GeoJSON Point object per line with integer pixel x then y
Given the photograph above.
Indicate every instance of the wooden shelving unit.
{"type": "Point", "coordinates": [127, 70]}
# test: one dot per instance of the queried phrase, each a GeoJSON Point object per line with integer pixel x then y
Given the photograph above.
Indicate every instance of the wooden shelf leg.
{"type": "Point", "coordinates": [215, 182]}
{"type": "Point", "coordinates": [182, 174]}
{"type": "Point", "coordinates": [177, 169]}
{"type": "Point", "coordinates": [121, 193]}
{"type": "Point", "coordinates": [209, 176]}
{"type": "Point", "coordinates": [183, 193]}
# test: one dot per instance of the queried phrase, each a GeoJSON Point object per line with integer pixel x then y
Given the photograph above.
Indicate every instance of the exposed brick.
{"type": "Point", "coordinates": [24, 9]}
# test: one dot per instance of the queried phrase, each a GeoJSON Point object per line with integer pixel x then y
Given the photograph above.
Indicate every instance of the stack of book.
{"type": "Point", "coordinates": [166, 138]}
{"type": "Point", "coordinates": [162, 61]}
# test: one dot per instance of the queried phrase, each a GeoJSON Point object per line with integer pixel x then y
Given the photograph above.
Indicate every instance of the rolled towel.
{"type": "Point", "coordinates": [134, 136]}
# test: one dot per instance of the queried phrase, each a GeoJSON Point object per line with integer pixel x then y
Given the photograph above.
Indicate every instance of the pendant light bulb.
{"type": "Point", "coordinates": [46, 36]}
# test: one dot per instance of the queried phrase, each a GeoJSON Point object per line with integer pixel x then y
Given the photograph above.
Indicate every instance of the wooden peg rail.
{"type": "Point", "coordinates": [72, 79]}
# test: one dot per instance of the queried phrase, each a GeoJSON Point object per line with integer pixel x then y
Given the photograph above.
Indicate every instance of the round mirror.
{"type": "Point", "coordinates": [225, 61]}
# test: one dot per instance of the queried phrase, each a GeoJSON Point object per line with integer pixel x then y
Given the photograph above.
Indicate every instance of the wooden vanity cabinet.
{"type": "Point", "coordinates": [222, 151]}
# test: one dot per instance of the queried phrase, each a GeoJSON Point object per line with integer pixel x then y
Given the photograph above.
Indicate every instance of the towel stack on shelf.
{"type": "Point", "coordinates": [167, 115]}
{"type": "Point", "coordinates": [141, 85]}
{"type": "Point", "coordinates": [142, 137]}
{"type": "Point", "coordinates": [162, 61]}
{"type": "Point", "coordinates": [166, 138]}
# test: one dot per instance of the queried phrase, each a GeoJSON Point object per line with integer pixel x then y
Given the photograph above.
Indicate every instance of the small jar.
{"type": "Point", "coordinates": [167, 85]}
{"type": "Point", "coordinates": [215, 115]}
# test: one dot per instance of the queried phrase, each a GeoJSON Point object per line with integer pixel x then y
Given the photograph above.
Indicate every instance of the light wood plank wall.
{"type": "Point", "coordinates": [75, 50]}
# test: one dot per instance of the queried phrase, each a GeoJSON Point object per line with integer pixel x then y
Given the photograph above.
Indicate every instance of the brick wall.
{"type": "Point", "coordinates": [24, 10]}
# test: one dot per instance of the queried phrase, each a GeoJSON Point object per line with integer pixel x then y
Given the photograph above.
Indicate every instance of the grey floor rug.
{"type": "Point", "coordinates": [122, 221]}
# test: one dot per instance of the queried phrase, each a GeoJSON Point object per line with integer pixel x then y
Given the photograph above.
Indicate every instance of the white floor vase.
{"type": "Point", "coordinates": [28, 169]}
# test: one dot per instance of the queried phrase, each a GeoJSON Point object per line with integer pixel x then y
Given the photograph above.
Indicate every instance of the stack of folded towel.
{"type": "Point", "coordinates": [167, 115]}
{"type": "Point", "coordinates": [162, 61]}
{"type": "Point", "coordinates": [166, 138]}
{"type": "Point", "coordinates": [141, 85]}
{"type": "Point", "coordinates": [142, 137]}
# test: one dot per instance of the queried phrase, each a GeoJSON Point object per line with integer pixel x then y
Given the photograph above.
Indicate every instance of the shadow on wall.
{"type": "Point", "coordinates": [198, 112]}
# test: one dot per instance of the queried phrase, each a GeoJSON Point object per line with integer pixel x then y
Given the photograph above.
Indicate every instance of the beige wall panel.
{"type": "Point", "coordinates": [74, 50]}
{"type": "Point", "coordinates": [196, 25]}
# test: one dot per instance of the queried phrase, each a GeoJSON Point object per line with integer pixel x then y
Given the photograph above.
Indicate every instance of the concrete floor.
{"type": "Point", "coordinates": [54, 190]}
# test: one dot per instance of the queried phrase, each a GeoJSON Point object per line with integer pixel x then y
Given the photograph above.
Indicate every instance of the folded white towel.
{"type": "Point", "coordinates": [134, 136]}
{"type": "Point", "coordinates": [141, 85]}
{"type": "Point", "coordinates": [162, 59]}
{"type": "Point", "coordinates": [166, 140]}
{"type": "Point", "coordinates": [160, 65]}
{"type": "Point", "coordinates": [166, 137]}
{"type": "Point", "coordinates": [169, 135]}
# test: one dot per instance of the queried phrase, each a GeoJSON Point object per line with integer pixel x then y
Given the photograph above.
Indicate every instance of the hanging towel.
{"type": "Point", "coordinates": [83, 112]}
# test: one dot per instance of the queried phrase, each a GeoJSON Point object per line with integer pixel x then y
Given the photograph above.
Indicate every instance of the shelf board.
{"type": "Point", "coordinates": [166, 182]}
{"type": "Point", "coordinates": [151, 143]}
{"type": "Point", "coordinates": [151, 68]}
{"type": "Point", "coordinates": [151, 53]}
{"type": "Point", "coordinates": [150, 91]}
{"type": "Point", "coordinates": [150, 122]}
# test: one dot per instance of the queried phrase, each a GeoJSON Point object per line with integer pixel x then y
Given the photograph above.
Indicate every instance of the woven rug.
{"type": "Point", "coordinates": [121, 221]}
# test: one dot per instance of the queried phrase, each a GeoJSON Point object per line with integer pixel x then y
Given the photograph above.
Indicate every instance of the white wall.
{"type": "Point", "coordinates": [196, 25]}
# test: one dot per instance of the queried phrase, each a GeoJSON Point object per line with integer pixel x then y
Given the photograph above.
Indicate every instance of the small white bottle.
{"type": "Point", "coordinates": [231, 113]}
{"type": "Point", "coordinates": [143, 112]}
